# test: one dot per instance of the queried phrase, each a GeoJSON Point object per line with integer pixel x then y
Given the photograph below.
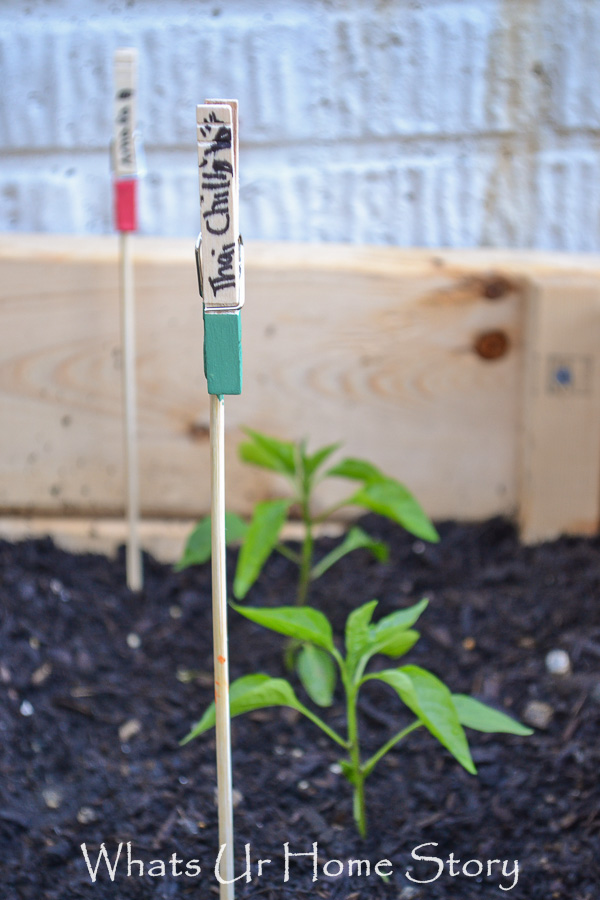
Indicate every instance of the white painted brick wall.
{"type": "Point", "coordinates": [440, 122]}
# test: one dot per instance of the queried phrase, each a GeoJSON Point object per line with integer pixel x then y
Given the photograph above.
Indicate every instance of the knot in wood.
{"type": "Point", "coordinates": [491, 345]}
{"type": "Point", "coordinates": [495, 287]}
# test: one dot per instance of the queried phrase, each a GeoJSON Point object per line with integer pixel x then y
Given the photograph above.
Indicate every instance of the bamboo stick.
{"type": "Point", "coordinates": [134, 553]}
{"type": "Point", "coordinates": [220, 641]}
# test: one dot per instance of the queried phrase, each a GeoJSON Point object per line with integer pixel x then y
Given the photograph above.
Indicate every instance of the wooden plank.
{"type": "Point", "coordinates": [382, 358]}
{"type": "Point", "coordinates": [163, 538]}
{"type": "Point", "coordinates": [372, 346]}
{"type": "Point", "coordinates": [560, 462]}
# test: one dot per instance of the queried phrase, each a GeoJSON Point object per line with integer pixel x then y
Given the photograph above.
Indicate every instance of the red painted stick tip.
{"type": "Point", "coordinates": [125, 204]}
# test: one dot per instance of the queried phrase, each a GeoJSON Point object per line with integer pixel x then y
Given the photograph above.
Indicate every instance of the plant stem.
{"type": "Point", "coordinates": [305, 565]}
{"type": "Point", "coordinates": [289, 656]}
{"type": "Point", "coordinates": [322, 517]}
{"type": "Point", "coordinates": [358, 778]}
{"type": "Point", "coordinates": [306, 558]}
{"type": "Point", "coordinates": [289, 554]}
{"type": "Point", "coordinates": [358, 804]}
{"type": "Point", "coordinates": [372, 762]}
{"type": "Point", "coordinates": [322, 725]}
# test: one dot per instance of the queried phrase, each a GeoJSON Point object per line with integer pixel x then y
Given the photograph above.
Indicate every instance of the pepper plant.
{"type": "Point", "coordinates": [377, 493]}
{"type": "Point", "coordinates": [304, 472]}
{"type": "Point", "coordinates": [431, 703]}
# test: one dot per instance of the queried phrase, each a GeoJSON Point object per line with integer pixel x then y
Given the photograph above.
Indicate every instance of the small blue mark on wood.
{"type": "Point", "coordinates": [568, 374]}
{"type": "Point", "coordinates": [563, 376]}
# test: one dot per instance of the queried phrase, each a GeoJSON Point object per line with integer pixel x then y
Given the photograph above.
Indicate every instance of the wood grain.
{"type": "Point", "coordinates": [560, 490]}
{"type": "Point", "coordinates": [372, 346]}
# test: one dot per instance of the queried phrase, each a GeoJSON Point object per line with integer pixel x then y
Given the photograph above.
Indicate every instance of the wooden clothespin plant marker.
{"type": "Point", "coordinates": [221, 281]}
{"type": "Point", "coordinates": [125, 173]}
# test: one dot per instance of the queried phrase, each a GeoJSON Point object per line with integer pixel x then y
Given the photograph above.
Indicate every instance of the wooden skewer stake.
{"type": "Point", "coordinates": [125, 184]}
{"type": "Point", "coordinates": [221, 285]}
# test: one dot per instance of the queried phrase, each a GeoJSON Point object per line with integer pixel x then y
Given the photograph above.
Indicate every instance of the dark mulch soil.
{"type": "Point", "coordinates": [70, 679]}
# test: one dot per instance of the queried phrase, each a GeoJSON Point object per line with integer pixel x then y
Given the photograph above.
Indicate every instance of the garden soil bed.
{"type": "Point", "coordinates": [97, 687]}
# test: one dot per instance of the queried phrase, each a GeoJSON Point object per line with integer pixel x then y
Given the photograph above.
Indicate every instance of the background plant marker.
{"type": "Point", "coordinates": [125, 189]}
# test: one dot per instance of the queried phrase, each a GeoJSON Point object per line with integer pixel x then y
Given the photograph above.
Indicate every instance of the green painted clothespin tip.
{"type": "Point", "coordinates": [223, 351]}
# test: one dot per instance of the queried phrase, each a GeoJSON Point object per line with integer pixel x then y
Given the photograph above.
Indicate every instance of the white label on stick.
{"type": "Point", "coordinates": [218, 206]}
{"type": "Point", "coordinates": [125, 112]}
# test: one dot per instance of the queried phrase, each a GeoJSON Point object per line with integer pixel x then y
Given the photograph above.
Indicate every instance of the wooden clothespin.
{"type": "Point", "coordinates": [219, 250]}
{"type": "Point", "coordinates": [125, 172]}
{"type": "Point", "coordinates": [221, 281]}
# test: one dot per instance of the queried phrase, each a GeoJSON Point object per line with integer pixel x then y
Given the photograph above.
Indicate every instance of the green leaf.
{"type": "Point", "coordinates": [432, 703]}
{"type": "Point", "coordinates": [391, 499]}
{"type": "Point", "coordinates": [268, 452]}
{"type": "Point", "coordinates": [316, 460]}
{"type": "Point", "coordinates": [395, 678]}
{"type": "Point", "coordinates": [301, 622]}
{"type": "Point", "coordinates": [481, 717]}
{"type": "Point", "coordinates": [355, 539]}
{"type": "Point", "coordinates": [235, 528]}
{"type": "Point", "coordinates": [198, 546]}
{"type": "Point", "coordinates": [357, 470]}
{"type": "Point", "coordinates": [399, 620]}
{"type": "Point", "coordinates": [246, 694]}
{"type": "Point", "coordinates": [357, 635]}
{"type": "Point", "coordinates": [395, 645]}
{"type": "Point", "coordinates": [318, 674]}
{"type": "Point", "coordinates": [385, 496]}
{"type": "Point", "coordinates": [261, 537]}
{"type": "Point", "coordinates": [391, 635]}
